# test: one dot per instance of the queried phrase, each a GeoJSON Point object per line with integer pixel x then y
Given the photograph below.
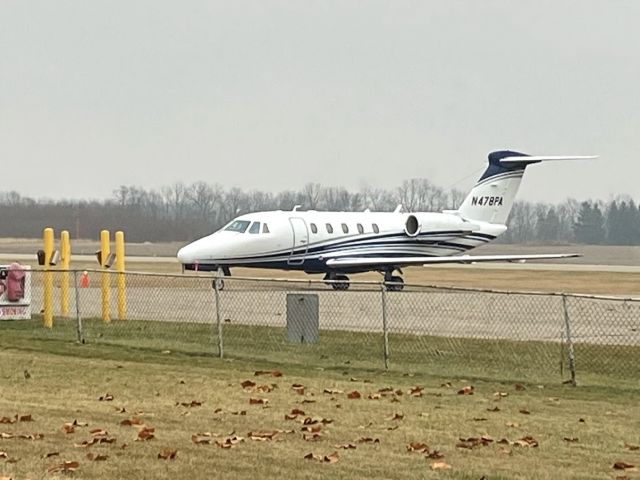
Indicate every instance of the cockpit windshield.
{"type": "Point", "coordinates": [239, 226]}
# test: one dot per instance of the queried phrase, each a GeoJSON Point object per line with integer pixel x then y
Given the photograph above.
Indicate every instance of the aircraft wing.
{"type": "Point", "coordinates": [406, 261]}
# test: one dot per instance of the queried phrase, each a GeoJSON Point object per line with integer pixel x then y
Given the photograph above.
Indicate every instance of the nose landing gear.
{"type": "Point", "coordinates": [218, 283]}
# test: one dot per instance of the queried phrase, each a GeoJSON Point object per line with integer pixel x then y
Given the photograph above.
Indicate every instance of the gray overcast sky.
{"type": "Point", "coordinates": [274, 94]}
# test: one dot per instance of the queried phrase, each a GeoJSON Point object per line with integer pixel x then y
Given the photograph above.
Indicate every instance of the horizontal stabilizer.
{"type": "Point", "coordinates": [525, 160]}
{"type": "Point", "coordinates": [405, 261]}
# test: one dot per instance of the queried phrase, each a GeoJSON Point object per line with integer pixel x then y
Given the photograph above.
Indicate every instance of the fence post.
{"type": "Point", "coordinates": [79, 332]}
{"type": "Point", "coordinates": [385, 330]}
{"type": "Point", "coordinates": [567, 326]}
{"type": "Point", "coordinates": [216, 289]}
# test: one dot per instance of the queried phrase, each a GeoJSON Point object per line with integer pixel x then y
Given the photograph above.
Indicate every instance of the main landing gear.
{"type": "Point", "coordinates": [337, 281]}
{"type": "Point", "coordinates": [393, 283]}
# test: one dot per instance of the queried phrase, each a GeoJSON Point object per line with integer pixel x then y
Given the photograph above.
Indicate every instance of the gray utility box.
{"type": "Point", "coordinates": [302, 317]}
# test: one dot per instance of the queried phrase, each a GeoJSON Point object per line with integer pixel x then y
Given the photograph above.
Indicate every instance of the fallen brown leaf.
{"type": "Point", "coordinates": [202, 438]}
{"type": "Point", "coordinates": [435, 455]}
{"type": "Point", "coordinates": [68, 466]}
{"type": "Point", "coordinates": [97, 457]}
{"type": "Point", "coordinates": [248, 384]}
{"type": "Point", "coordinates": [631, 447]}
{"type": "Point", "coordinates": [418, 447]}
{"type": "Point", "coordinates": [416, 391]}
{"type": "Point", "coordinates": [527, 441]}
{"type": "Point", "coordinates": [440, 466]}
{"type": "Point", "coordinates": [68, 428]}
{"type": "Point", "coordinates": [331, 458]}
{"type": "Point", "coordinates": [229, 442]}
{"type": "Point", "coordinates": [311, 428]}
{"type": "Point", "coordinates": [298, 388]}
{"type": "Point", "coordinates": [368, 440]}
{"type": "Point", "coordinates": [354, 395]}
{"type": "Point", "coordinates": [346, 446]}
{"type": "Point", "coordinates": [620, 465]}
{"type": "Point", "coordinates": [472, 442]}
{"type": "Point", "coordinates": [467, 390]}
{"type": "Point", "coordinates": [273, 373]}
{"type": "Point", "coordinates": [331, 391]}
{"type": "Point", "coordinates": [519, 387]}
{"type": "Point", "coordinates": [524, 411]}
{"type": "Point", "coordinates": [107, 397]}
{"type": "Point", "coordinates": [258, 401]}
{"type": "Point", "coordinates": [167, 454]}
{"type": "Point", "coordinates": [146, 433]}
{"type": "Point", "coordinates": [31, 436]}
{"type": "Point", "coordinates": [25, 418]}
{"type": "Point", "coordinates": [571, 439]}
{"type": "Point", "coordinates": [131, 421]}
{"type": "Point", "coordinates": [262, 435]}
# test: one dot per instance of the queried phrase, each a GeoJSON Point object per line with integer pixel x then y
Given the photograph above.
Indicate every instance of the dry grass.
{"type": "Point", "coordinates": [62, 388]}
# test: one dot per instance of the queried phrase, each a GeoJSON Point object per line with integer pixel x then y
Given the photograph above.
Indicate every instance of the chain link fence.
{"type": "Point", "coordinates": [444, 331]}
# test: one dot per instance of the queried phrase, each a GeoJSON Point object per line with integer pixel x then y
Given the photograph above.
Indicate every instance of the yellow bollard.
{"type": "Point", "coordinates": [122, 293]}
{"type": "Point", "coordinates": [47, 319]}
{"type": "Point", "coordinates": [106, 280]}
{"type": "Point", "coordinates": [65, 260]}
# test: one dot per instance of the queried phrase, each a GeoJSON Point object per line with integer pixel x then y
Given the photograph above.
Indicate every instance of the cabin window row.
{"type": "Point", "coordinates": [345, 228]}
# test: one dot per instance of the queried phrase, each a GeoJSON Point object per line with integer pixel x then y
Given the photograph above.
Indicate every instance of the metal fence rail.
{"type": "Point", "coordinates": [455, 331]}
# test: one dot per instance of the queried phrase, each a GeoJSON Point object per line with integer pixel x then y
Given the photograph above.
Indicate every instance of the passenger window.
{"type": "Point", "coordinates": [360, 228]}
{"type": "Point", "coordinates": [345, 229]}
{"type": "Point", "coordinates": [265, 229]}
{"type": "Point", "coordinates": [329, 228]}
{"type": "Point", "coordinates": [375, 228]}
{"type": "Point", "coordinates": [255, 227]}
{"type": "Point", "coordinates": [314, 229]}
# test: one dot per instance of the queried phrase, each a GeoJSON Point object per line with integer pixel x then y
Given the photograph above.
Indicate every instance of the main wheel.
{"type": "Point", "coordinates": [395, 284]}
{"type": "Point", "coordinates": [341, 282]}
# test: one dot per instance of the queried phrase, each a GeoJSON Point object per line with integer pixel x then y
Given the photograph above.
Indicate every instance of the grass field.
{"type": "Point", "coordinates": [176, 386]}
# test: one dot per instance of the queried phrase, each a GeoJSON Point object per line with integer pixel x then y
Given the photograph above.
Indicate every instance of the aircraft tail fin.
{"type": "Point", "coordinates": [493, 196]}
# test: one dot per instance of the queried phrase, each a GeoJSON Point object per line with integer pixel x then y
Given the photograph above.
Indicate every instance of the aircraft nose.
{"type": "Point", "coordinates": [186, 254]}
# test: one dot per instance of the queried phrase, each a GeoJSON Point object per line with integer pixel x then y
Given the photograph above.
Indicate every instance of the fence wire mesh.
{"type": "Point", "coordinates": [443, 330]}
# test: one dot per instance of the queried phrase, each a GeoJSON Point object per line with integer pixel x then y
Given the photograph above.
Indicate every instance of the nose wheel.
{"type": "Point", "coordinates": [218, 283]}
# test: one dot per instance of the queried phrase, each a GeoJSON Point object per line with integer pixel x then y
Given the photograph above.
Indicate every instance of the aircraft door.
{"type": "Point", "coordinates": [300, 241]}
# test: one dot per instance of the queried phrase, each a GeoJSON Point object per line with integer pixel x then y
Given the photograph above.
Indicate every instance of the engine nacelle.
{"type": "Point", "coordinates": [452, 225]}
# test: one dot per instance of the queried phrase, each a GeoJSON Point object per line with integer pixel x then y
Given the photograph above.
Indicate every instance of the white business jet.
{"type": "Point", "coordinates": [340, 243]}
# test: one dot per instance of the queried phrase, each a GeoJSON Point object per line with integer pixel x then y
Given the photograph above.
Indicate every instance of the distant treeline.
{"type": "Point", "coordinates": [182, 212]}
